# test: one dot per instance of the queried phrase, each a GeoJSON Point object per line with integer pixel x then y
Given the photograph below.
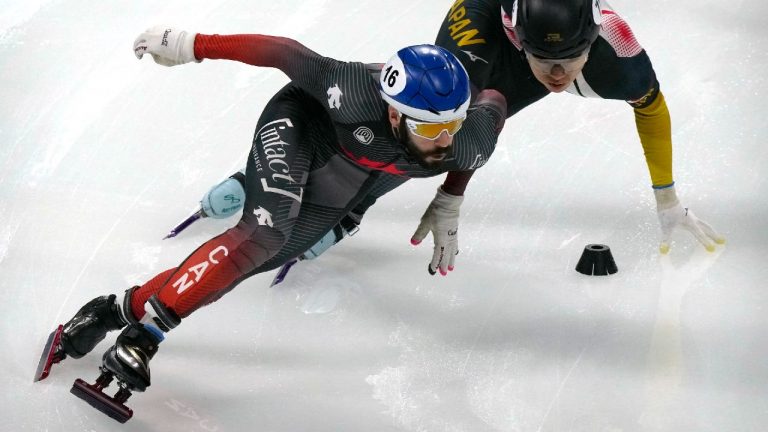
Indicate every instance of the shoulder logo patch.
{"type": "Point", "coordinates": [364, 135]}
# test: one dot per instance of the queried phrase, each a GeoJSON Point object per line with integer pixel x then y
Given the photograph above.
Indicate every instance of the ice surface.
{"type": "Point", "coordinates": [101, 154]}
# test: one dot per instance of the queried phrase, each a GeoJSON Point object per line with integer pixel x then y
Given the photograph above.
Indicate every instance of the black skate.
{"type": "Point", "coordinates": [128, 361]}
{"type": "Point", "coordinates": [83, 332]}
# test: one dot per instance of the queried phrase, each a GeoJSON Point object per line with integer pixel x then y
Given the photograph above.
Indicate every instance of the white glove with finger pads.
{"type": "Point", "coordinates": [168, 46]}
{"type": "Point", "coordinates": [442, 219]}
{"type": "Point", "coordinates": [672, 215]}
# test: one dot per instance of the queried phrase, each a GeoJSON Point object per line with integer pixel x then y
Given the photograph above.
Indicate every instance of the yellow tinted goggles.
{"type": "Point", "coordinates": [431, 130]}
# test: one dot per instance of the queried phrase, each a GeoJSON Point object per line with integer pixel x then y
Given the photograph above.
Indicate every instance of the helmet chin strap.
{"type": "Point", "coordinates": [401, 134]}
{"type": "Point", "coordinates": [396, 133]}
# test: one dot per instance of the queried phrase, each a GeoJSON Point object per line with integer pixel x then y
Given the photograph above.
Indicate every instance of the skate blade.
{"type": "Point", "coordinates": [102, 402]}
{"type": "Point", "coordinates": [50, 355]}
{"type": "Point", "coordinates": [184, 224]}
{"type": "Point", "coordinates": [283, 272]}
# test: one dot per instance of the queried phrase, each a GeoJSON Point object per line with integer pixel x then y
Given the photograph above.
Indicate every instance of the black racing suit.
{"type": "Point", "coordinates": [322, 145]}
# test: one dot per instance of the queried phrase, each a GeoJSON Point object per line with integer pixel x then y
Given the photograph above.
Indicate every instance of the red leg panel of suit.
{"type": "Point", "coordinates": [208, 272]}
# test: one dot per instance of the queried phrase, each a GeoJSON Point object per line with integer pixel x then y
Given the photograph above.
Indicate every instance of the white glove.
{"type": "Point", "coordinates": [672, 214]}
{"type": "Point", "coordinates": [168, 46]}
{"type": "Point", "coordinates": [442, 219]}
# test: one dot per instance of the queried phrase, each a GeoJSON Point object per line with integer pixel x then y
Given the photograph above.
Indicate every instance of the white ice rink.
{"type": "Point", "coordinates": [100, 154]}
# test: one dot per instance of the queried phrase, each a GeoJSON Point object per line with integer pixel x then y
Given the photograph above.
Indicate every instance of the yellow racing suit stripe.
{"type": "Point", "coordinates": [655, 130]}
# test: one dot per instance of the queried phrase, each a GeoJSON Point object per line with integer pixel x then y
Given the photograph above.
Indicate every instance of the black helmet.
{"type": "Point", "coordinates": [555, 28]}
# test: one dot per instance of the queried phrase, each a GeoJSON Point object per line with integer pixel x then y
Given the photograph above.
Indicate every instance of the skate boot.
{"type": "Point", "coordinates": [128, 361]}
{"type": "Point", "coordinates": [85, 330]}
{"type": "Point", "coordinates": [91, 323]}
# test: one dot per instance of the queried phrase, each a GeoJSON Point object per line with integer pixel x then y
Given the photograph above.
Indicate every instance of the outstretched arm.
{"type": "Point", "coordinates": [655, 130]}
{"type": "Point", "coordinates": [171, 47]}
{"type": "Point", "coordinates": [442, 215]}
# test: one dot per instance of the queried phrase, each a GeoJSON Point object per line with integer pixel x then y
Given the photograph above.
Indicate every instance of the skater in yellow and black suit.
{"type": "Point", "coordinates": [527, 49]}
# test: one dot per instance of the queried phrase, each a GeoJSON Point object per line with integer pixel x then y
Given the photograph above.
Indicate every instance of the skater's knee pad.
{"type": "Point", "coordinates": [224, 200]}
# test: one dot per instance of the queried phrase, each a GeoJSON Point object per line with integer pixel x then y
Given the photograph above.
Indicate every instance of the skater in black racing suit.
{"type": "Point", "coordinates": [337, 133]}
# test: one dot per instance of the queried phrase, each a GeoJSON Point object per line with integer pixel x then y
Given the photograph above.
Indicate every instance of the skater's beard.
{"type": "Point", "coordinates": [414, 154]}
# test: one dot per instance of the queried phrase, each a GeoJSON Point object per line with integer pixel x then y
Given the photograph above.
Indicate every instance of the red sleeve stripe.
{"type": "Point", "coordinates": [618, 34]}
{"type": "Point", "coordinates": [509, 30]}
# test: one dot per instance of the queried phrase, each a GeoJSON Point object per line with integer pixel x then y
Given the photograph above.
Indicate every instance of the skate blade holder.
{"type": "Point", "coordinates": [113, 406]}
{"type": "Point", "coordinates": [51, 354]}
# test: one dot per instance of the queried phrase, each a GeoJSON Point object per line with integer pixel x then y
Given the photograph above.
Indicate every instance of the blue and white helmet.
{"type": "Point", "coordinates": [427, 83]}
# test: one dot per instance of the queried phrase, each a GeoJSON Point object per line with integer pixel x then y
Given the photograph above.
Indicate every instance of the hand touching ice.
{"type": "Point", "coordinates": [442, 219]}
{"type": "Point", "coordinates": [672, 214]}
